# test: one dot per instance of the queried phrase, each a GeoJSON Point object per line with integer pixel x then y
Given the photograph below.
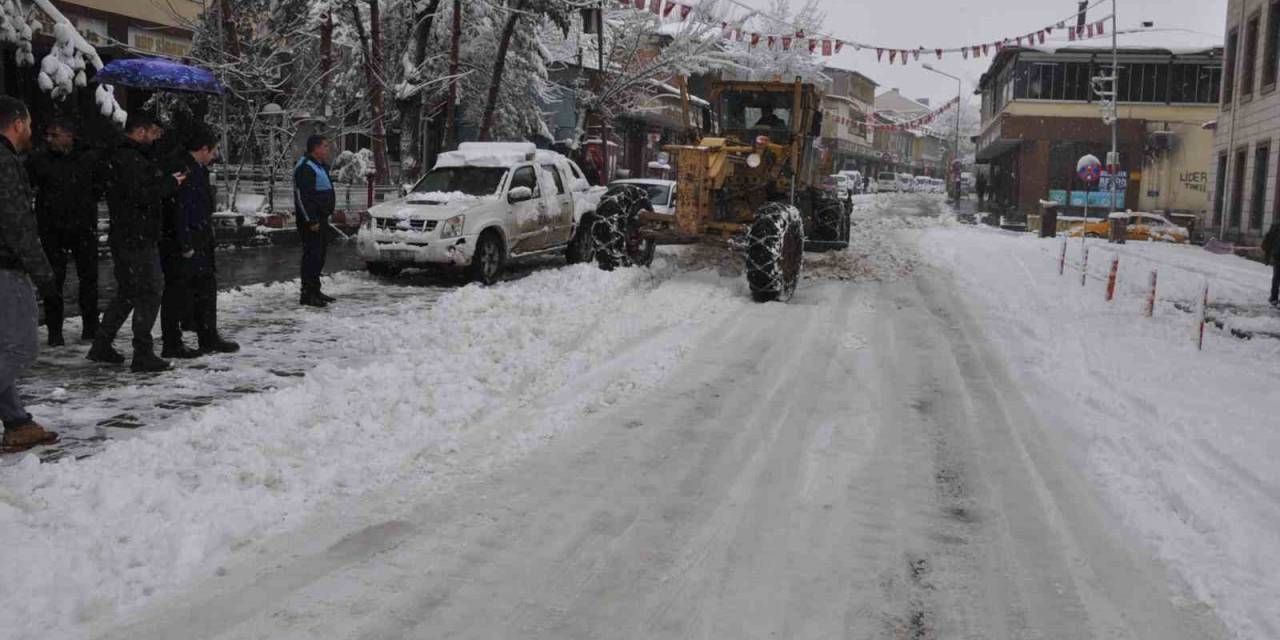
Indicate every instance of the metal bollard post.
{"type": "Point", "coordinates": [1111, 278]}
{"type": "Point", "coordinates": [1204, 312]}
{"type": "Point", "coordinates": [1151, 296]}
{"type": "Point", "coordinates": [1084, 267]}
{"type": "Point", "coordinates": [1062, 259]}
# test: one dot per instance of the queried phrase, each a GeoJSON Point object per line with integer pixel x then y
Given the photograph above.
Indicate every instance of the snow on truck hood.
{"type": "Point", "coordinates": [495, 154]}
{"type": "Point", "coordinates": [430, 206]}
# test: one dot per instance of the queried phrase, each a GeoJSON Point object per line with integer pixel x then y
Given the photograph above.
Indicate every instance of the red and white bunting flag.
{"type": "Point", "coordinates": [655, 6]}
{"type": "Point", "coordinates": [786, 43]}
{"type": "Point", "coordinates": [755, 39]}
{"type": "Point", "coordinates": [666, 11]}
{"type": "Point", "coordinates": [880, 54]}
{"type": "Point", "coordinates": [893, 56]}
{"type": "Point", "coordinates": [985, 51]}
{"type": "Point", "coordinates": [800, 33]}
{"type": "Point", "coordinates": [1041, 34]}
{"type": "Point", "coordinates": [839, 45]}
{"type": "Point", "coordinates": [640, 4]}
{"type": "Point", "coordinates": [1071, 34]}
{"type": "Point", "coordinates": [917, 54]}
{"type": "Point", "coordinates": [737, 35]}
{"type": "Point", "coordinates": [1048, 31]}
{"type": "Point", "coordinates": [939, 52]}
{"type": "Point", "coordinates": [813, 45]}
{"type": "Point", "coordinates": [769, 42]}
{"type": "Point", "coordinates": [684, 12]}
{"type": "Point", "coordinates": [977, 51]}
{"type": "Point", "coordinates": [1089, 30]}
{"type": "Point", "coordinates": [903, 56]}
{"type": "Point", "coordinates": [826, 48]}
{"type": "Point", "coordinates": [625, 4]}
{"type": "Point", "coordinates": [1100, 27]}
{"type": "Point", "coordinates": [965, 53]}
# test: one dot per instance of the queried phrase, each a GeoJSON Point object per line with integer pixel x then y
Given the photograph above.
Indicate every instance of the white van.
{"type": "Point", "coordinates": [887, 181]}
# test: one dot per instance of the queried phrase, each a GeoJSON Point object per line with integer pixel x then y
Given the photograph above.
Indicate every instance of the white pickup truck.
{"type": "Point", "coordinates": [481, 206]}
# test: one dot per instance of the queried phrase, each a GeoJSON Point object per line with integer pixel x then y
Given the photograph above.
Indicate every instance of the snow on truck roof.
{"type": "Point", "coordinates": [495, 154]}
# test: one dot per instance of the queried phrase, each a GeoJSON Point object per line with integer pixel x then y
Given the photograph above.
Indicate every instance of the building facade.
{"type": "Point", "coordinates": [923, 151]}
{"type": "Point", "coordinates": [1040, 115]}
{"type": "Point", "coordinates": [1242, 173]}
{"type": "Point", "coordinates": [845, 108]}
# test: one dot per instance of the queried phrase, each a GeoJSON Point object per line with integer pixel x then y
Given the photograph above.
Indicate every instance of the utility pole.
{"type": "Point", "coordinates": [955, 158]}
{"type": "Point", "coordinates": [450, 133]}
{"type": "Point", "coordinates": [1113, 158]}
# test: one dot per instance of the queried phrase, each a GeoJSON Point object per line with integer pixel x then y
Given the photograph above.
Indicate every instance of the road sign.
{"type": "Point", "coordinates": [1089, 168]}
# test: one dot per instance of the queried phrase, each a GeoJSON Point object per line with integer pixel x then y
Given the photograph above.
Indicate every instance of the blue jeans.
{"type": "Point", "coordinates": [19, 342]}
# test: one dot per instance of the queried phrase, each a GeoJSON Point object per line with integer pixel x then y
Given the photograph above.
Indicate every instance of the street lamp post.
{"type": "Point", "coordinates": [955, 157]}
{"type": "Point", "coordinates": [273, 111]}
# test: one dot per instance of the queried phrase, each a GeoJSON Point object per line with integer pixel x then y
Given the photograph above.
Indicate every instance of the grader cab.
{"type": "Point", "coordinates": [753, 185]}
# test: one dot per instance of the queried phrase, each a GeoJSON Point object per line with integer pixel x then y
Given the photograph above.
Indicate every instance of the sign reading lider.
{"type": "Point", "coordinates": [159, 44]}
{"type": "Point", "coordinates": [1099, 197]}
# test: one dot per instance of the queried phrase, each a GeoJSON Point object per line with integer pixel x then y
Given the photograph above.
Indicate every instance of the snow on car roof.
{"type": "Point", "coordinates": [495, 154]}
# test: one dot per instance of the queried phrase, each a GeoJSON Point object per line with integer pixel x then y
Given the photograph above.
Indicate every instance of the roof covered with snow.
{"type": "Point", "coordinates": [1132, 42]}
{"type": "Point", "coordinates": [893, 100]}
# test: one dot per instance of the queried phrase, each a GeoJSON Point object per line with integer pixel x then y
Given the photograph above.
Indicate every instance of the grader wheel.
{"type": "Point", "coordinates": [617, 229]}
{"type": "Point", "coordinates": [775, 252]}
{"type": "Point", "coordinates": [830, 224]}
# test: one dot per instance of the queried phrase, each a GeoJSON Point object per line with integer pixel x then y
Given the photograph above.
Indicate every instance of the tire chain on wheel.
{"type": "Point", "coordinates": [618, 212]}
{"type": "Point", "coordinates": [765, 241]}
{"type": "Point", "coordinates": [828, 220]}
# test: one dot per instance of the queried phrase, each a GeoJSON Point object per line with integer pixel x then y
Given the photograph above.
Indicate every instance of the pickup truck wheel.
{"type": "Point", "coordinates": [381, 269]}
{"type": "Point", "coordinates": [583, 246]}
{"type": "Point", "coordinates": [775, 252]}
{"type": "Point", "coordinates": [487, 262]}
{"type": "Point", "coordinates": [617, 229]}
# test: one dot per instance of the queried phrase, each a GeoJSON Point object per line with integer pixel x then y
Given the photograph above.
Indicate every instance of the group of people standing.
{"type": "Point", "coordinates": [161, 240]}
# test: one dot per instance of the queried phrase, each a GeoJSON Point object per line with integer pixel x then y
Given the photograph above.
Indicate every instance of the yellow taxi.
{"type": "Point", "coordinates": [1152, 227]}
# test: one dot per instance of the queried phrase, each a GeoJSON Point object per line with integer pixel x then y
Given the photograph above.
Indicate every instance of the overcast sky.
{"type": "Point", "coordinates": [947, 23]}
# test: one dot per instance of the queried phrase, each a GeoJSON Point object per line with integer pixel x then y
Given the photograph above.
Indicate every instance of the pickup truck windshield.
{"type": "Point", "coordinates": [475, 181]}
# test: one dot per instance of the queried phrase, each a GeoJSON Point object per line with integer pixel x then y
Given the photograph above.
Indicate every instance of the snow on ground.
{"type": "Point", "coordinates": [1182, 443]}
{"type": "Point", "coordinates": [87, 539]}
{"type": "Point", "coordinates": [873, 254]}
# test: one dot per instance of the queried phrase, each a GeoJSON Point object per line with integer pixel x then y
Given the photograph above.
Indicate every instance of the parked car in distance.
{"type": "Point", "coordinates": [855, 180]}
{"type": "Point", "coordinates": [887, 181]}
{"type": "Point", "coordinates": [906, 182]}
{"type": "Point", "coordinates": [479, 208]}
{"type": "Point", "coordinates": [1142, 226]}
{"type": "Point", "coordinates": [838, 185]}
{"type": "Point", "coordinates": [662, 193]}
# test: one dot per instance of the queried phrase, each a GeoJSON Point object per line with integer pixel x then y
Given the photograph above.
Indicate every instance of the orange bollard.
{"type": "Point", "coordinates": [1151, 296]}
{"type": "Point", "coordinates": [1111, 278]}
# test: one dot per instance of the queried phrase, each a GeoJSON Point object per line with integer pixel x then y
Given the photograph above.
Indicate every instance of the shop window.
{"type": "Point", "coordinates": [1261, 155]}
{"type": "Point", "coordinates": [1237, 187]}
{"type": "Point", "coordinates": [1270, 63]}
{"type": "Point", "coordinates": [1229, 79]}
{"type": "Point", "coordinates": [1249, 59]}
{"type": "Point", "coordinates": [1220, 189]}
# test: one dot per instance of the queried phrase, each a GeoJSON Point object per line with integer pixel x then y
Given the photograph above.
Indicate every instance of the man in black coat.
{"type": "Point", "coordinates": [313, 204]}
{"type": "Point", "coordinates": [22, 263]}
{"type": "Point", "coordinates": [187, 253]}
{"type": "Point", "coordinates": [136, 193]}
{"type": "Point", "coordinates": [1271, 252]}
{"type": "Point", "coordinates": [68, 185]}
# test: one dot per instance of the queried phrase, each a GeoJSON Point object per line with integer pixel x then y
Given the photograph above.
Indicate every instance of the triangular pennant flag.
{"type": "Point", "coordinates": [786, 43]}
{"type": "Point", "coordinates": [826, 47]}
{"type": "Point", "coordinates": [880, 54]}
{"type": "Point", "coordinates": [684, 12]}
{"type": "Point", "coordinates": [1048, 31]}
{"type": "Point", "coordinates": [800, 33]}
{"type": "Point", "coordinates": [655, 6]}
{"type": "Point", "coordinates": [737, 35]}
{"type": "Point", "coordinates": [1089, 30]}
{"type": "Point", "coordinates": [977, 51]}
{"type": "Point", "coordinates": [939, 52]}
{"type": "Point", "coordinates": [813, 45]}
{"type": "Point", "coordinates": [903, 56]}
{"type": "Point", "coordinates": [640, 4]}
{"type": "Point", "coordinates": [625, 4]}
{"type": "Point", "coordinates": [839, 45]}
{"type": "Point", "coordinates": [1019, 41]}
{"type": "Point", "coordinates": [917, 54]}
{"type": "Point", "coordinates": [755, 39]}
{"type": "Point", "coordinates": [666, 11]}
{"type": "Point", "coordinates": [769, 42]}
{"type": "Point", "coordinates": [893, 55]}
{"type": "Point", "coordinates": [1100, 27]}
{"type": "Point", "coordinates": [1071, 34]}
{"type": "Point", "coordinates": [985, 50]}
{"type": "Point", "coordinates": [1042, 34]}
{"type": "Point", "coordinates": [965, 53]}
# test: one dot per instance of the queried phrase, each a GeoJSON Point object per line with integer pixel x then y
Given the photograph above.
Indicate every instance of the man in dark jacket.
{"type": "Point", "coordinates": [187, 253]}
{"type": "Point", "coordinates": [22, 261]}
{"type": "Point", "coordinates": [68, 184]}
{"type": "Point", "coordinates": [1271, 250]}
{"type": "Point", "coordinates": [136, 195]}
{"type": "Point", "coordinates": [313, 203]}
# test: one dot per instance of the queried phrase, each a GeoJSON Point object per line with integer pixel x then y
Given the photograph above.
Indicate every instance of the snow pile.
{"type": "Point", "coordinates": [16, 31]}
{"type": "Point", "coordinates": [88, 538]}
{"type": "Point", "coordinates": [873, 255]}
{"type": "Point", "coordinates": [1182, 443]}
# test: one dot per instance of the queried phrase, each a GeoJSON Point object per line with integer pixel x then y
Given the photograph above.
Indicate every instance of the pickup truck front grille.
{"type": "Point", "coordinates": [393, 224]}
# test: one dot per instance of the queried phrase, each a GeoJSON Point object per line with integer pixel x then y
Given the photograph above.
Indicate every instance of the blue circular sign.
{"type": "Point", "coordinates": [1089, 168]}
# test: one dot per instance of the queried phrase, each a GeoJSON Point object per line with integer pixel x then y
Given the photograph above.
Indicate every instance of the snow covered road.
{"type": "Point", "coordinates": [859, 463]}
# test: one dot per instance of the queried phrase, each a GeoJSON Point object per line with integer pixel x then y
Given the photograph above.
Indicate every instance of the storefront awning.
{"type": "Point", "coordinates": [996, 148]}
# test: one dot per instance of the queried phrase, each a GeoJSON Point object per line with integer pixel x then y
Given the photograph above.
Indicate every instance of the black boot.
{"type": "Point", "coordinates": [179, 351]}
{"type": "Point", "coordinates": [216, 344]}
{"type": "Point", "coordinates": [312, 300]}
{"type": "Point", "coordinates": [104, 353]}
{"type": "Point", "coordinates": [147, 362]}
{"type": "Point", "coordinates": [326, 298]}
{"type": "Point", "coordinates": [90, 327]}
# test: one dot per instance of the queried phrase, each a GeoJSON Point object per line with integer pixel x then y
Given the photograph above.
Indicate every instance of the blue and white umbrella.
{"type": "Point", "coordinates": [159, 74]}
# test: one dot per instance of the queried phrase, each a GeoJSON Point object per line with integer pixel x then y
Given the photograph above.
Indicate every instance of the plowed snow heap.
{"type": "Point", "coordinates": [754, 185]}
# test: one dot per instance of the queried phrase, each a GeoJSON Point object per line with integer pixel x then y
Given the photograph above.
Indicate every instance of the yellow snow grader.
{"type": "Point", "coordinates": [752, 184]}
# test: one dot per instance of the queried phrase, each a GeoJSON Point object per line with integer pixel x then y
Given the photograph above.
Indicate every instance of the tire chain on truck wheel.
{"type": "Point", "coordinates": [617, 220]}
{"type": "Point", "coordinates": [766, 242]}
{"type": "Point", "coordinates": [828, 220]}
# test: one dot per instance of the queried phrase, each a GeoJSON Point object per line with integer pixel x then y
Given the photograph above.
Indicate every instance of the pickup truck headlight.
{"type": "Point", "coordinates": [452, 227]}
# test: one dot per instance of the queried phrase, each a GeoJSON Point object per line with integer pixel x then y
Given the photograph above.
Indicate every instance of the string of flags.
{"type": "Point", "coordinates": [828, 46]}
{"type": "Point", "coordinates": [916, 123]}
